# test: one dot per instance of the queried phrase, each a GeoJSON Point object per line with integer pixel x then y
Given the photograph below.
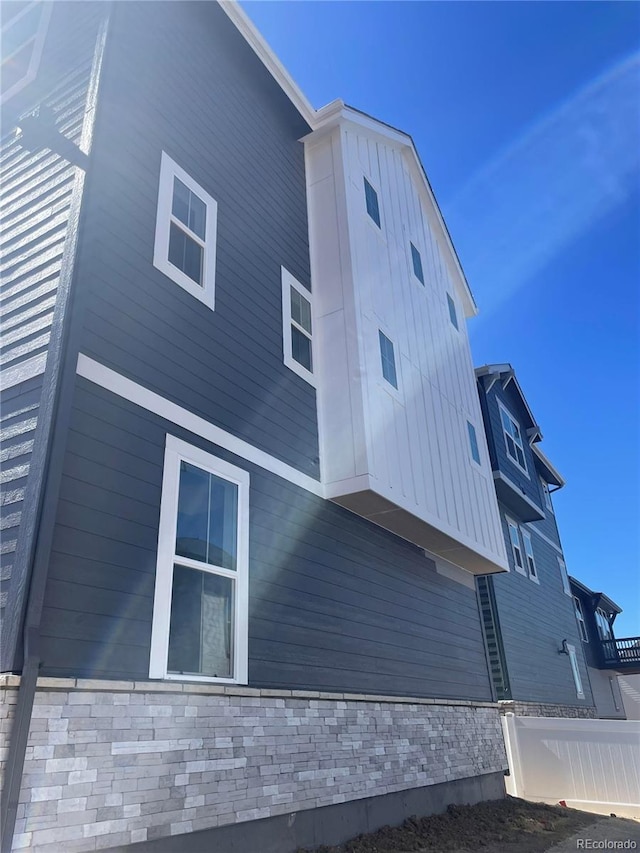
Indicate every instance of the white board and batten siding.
{"type": "Point", "coordinates": [405, 449]}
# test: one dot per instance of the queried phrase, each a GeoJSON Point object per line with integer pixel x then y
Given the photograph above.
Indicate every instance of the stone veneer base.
{"type": "Point", "coordinates": [329, 825]}
{"type": "Point", "coordinates": [111, 763]}
{"type": "Point", "coordinates": [542, 709]}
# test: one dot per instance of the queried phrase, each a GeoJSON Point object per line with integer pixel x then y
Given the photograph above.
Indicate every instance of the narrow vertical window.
{"type": "Point", "coordinates": [575, 670]}
{"type": "Point", "coordinates": [388, 359]}
{"type": "Point", "coordinates": [603, 625]}
{"type": "Point", "coordinates": [453, 315]}
{"type": "Point", "coordinates": [473, 442]}
{"type": "Point", "coordinates": [186, 223]}
{"type": "Point", "coordinates": [297, 328]}
{"type": "Point", "coordinates": [528, 551]}
{"type": "Point", "coordinates": [513, 439]}
{"type": "Point", "coordinates": [371, 199]}
{"type": "Point", "coordinates": [516, 549]}
{"type": "Point", "coordinates": [564, 576]}
{"type": "Point", "coordinates": [545, 494]}
{"type": "Point", "coordinates": [200, 608]}
{"type": "Point", "coordinates": [417, 264]}
{"type": "Point", "coordinates": [580, 619]}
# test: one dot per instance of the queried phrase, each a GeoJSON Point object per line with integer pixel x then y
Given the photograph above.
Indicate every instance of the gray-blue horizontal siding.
{"type": "Point", "coordinates": [18, 419]}
{"type": "Point", "coordinates": [534, 620]}
{"type": "Point", "coordinates": [189, 85]}
{"type": "Point", "coordinates": [35, 196]}
{"type": "Point", "coordinates": [335, 602]}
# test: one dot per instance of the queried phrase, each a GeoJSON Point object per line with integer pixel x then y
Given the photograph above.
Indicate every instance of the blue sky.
{"type": "Point", "coordinates": [527, 119]}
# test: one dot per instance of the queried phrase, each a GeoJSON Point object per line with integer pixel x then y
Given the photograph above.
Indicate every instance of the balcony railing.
{"type": "Point", "coordinates": [622, 654]}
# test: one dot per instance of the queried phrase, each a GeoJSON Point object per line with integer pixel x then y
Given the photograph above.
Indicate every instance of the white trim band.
{"type": "Point", "coordinates": [163, 408]}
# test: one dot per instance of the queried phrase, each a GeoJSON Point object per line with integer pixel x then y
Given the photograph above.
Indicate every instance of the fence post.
{"type": "Point", "coordinates": [510, 735]}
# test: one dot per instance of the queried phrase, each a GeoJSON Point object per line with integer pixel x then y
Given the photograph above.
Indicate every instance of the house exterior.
{"type": "Point", "coordinates": [534, 643]}
{"type": "Point", "coordinates": [607, 657]}
{"type": "Point", "coordinates": [246, 484]}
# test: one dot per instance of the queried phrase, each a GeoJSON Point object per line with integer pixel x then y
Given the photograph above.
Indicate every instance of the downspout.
{"type": "Point", "coordinates": [39, 132]}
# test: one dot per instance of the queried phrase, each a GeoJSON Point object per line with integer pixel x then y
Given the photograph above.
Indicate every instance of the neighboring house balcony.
{"type": "Point", "coordinates": [621, 655]}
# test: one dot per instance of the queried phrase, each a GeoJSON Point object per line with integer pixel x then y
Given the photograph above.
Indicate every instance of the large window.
{"type": "Point", "coordinates": [297, 327]}
{"type": "Point", "coordinates": [388, 360]}
{"type": "Point", "coordinates": [513, 438]}
{"type": "Point", "coordinates": [24, 27]}
{"type": "Point", "coordinates": [201, 597]}
{"type": "Point", "coordinates": [516, 548]}
{"type": "Point", "coordinates": [185, 244]}
{"type": "Point", "coordinates": [528, 551]}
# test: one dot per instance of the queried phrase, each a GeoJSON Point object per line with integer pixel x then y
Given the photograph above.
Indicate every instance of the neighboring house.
{"type": "Point", "coordinates": [606, 656]}
{"type": "Point", "coordinates": [533, 640]}
{"type": "Point", "coordinates": [246, 485]}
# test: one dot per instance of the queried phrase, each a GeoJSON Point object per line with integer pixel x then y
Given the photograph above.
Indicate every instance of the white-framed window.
{"type": "Point", "coordinates": [186, 224]}
{"type": "Point", "coordinates": [565, 577]}
{"type": "Point", "coordinates": [416, 260]}
{"type": "Point", "coordinates": [546, 495]}
{"type": "Point", "coordinates": [388, 360]}
{"type": "Point", "coordinates": [297, 327]}
{"type": "Point", "coordinates": [473, 443]}
{"type": "Point", "coordinates": [603, 625]}
{"type": "Point", "coordinates": [453, 314]}
{"type": "Point", "coordinates": [513, 439]}
{"type": "Point", "coordinates": [580, 619]}
{"type": "Point", "coordinates": [516, 548]}
{"type": "Point", "coordinates": [24, 28]}
{"type": "Point", "coordinates": [528, 552]}
{"type": "Point", "coordinates": [200, 610]}
{"type": "Point", "coordinates": [571, 650]}
{"type": "Point", "coordinates": [371, 202]}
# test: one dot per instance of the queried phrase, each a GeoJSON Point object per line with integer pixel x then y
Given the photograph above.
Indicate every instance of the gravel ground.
{"type": "Point", "coordinates": [499, 826]}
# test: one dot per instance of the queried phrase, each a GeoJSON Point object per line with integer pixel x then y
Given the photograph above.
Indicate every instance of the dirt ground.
{"type": "Point", "coordinates": [498, 826]}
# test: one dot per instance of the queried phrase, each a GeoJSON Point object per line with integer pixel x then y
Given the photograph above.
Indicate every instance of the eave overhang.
{"type": "Point", "coordinates": [597, 599]}
{"type": "Point", "coordinates": [546, 470]}
{"type": "Point", "coordinates": [514, 498]}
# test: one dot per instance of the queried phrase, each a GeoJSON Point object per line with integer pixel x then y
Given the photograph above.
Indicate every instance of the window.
{"type": "Point", "coordinates": [576, 672]}
{"type": "Point", "coordinates": [603, 625]}
{"type": "Point", "coordinates": [513, 439]}
{"type": "Point", "coordinates": [185, 244]}
{"type": "Point", "coordinates": [514, 536]}
{"type": "Point", "coordinates": [528, 551]}
{"type": "Point", "coordinates": [24, 27]}
{"type": "Point", "coordinates": [388, 360]}
{"type": "Point", "coordinates": [453, 316]}
{"type": "Point", "coordinates": [297, 327]}
{"type": "Point", "coordinates": [417, 264]}
{"type": "Point", "coordinates": [473, 442]}
{"type": "Point", "coordinates": [564, 576]}
{"type": "Point", "coordinates": [201, 598]}
{"type": "Point", "coordinates": [546, 495]}
{"type": "Point", "coordinates": [580, 617]}
{"type": "Point", "coordinates": [371, 199]}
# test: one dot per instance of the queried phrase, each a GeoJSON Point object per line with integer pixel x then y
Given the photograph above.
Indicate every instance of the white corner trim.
{"type": "Point", "coordinates": [22, 372]}
{"type": "Point", "coordinates": [158, 405]}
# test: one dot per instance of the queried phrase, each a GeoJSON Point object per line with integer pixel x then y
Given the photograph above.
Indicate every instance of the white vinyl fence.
{"type": "Point", "coordinates": [590, 764]}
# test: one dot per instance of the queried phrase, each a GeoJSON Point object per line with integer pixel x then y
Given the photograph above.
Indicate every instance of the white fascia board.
{"type": "Point", "coordinates": [337, 113]}
{"type": "Point", "coordinates": [268, 58]}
